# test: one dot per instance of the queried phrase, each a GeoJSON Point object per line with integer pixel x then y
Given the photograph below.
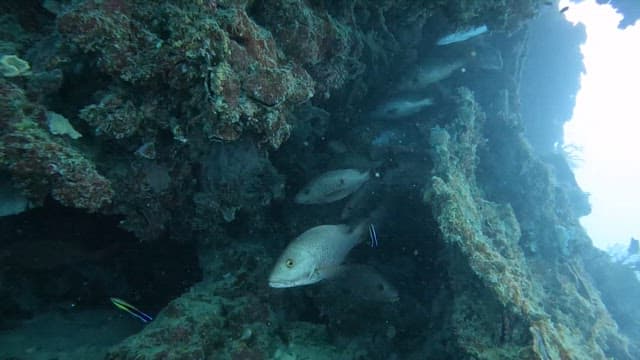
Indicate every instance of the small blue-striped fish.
{"type": "Point", "coordinates": [134, 311]}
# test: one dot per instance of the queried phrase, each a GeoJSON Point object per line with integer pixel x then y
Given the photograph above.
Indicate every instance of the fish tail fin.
{"type": "Point", "coordinates": [367, 226]}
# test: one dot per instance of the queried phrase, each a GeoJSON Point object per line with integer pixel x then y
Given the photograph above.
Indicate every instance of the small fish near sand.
{"type": "Point", "coordinates": [332, 186]}
{"type": "Point", "coordinates": [134, 311]}
{"type": "Point", "coordinates": [315, 255]}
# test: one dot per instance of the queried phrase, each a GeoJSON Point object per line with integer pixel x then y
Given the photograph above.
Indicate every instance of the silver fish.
{"type": "Point", "coordinates": [365, 283]}
{"type": "Point", "coordinates": [427, 73]}
{"type": "Point", "coordinates": [401, 108]}
{"type": "Point", "coordinates": [462, 35]}
{"type": "Point", "coordinates": [315, 255]}
{"type": "Point", "coordinates": [331, 186]}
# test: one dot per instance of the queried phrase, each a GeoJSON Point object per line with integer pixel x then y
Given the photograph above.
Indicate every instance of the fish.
{"type": "Point", "coordinates": [134, 311]}
{"type": "Point", "coordinates": [433, 70]}
{"type": "Point", "coordinates": [315, 255]}
{"type": "Point", "coordinates": [486, 57]}
{"type": "Point", "coordinates": [331, 186]}
{"type": "Point", "coordinates": [401, 108]}
{"type": "Point", "coordinates": [462, 35]}
{"type": "Point", "coordinates": [373, 236]}
{"type": "Point", "coordinates": [365, 283]}
{"type": "Point", "coordinates": [427, 73]}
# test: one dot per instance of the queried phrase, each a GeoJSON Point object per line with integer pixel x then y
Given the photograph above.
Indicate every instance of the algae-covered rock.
{"type": "Point", "coordinates": [551, 298]}
{"type": "Point", "coordinates": [41, 164]}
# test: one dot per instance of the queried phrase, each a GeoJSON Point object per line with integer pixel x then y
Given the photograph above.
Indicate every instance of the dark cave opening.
{"type": "Point", "coordinates": [61, 259]}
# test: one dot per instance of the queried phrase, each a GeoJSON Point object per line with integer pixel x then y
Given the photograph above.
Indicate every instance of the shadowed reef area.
{"type": "Point", "coordinates": [152, 151]}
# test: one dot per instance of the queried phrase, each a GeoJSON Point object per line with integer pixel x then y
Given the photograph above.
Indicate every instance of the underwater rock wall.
{"type": "Point", "coordinates": [41, 163]}
{"type": "Point", "coordinates": [149, 86]}
{"type": "Point", "coordinates": [199, 119]}
{"type": "Point", "coordinates": [148, 98]}
{"type": "Point", "coordinates": [546, 294]}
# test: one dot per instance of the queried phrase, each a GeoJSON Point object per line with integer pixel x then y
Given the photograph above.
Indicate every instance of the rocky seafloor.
{"type": "Point", "coordinates": [151, 151]}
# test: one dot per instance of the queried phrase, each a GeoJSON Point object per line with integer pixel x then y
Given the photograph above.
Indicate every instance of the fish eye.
{"type": "Point", "coordinates": [380, 287]}
{"type": "Point", "coordinates": [289, 263]}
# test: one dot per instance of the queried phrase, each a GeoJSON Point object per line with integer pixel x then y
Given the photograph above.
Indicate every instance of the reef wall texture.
{"type": "Point", "coordinates": [545, 293]}
{"type": "Point", "coordinates": [150, 85]}
{"type": "Point", "coordinates": [196, 120]}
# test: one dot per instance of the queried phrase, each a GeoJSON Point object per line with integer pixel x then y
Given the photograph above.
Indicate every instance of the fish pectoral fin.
{"type": "Point", "coordinates": [321, 273]}
{"type": "Point", "coordinates": [332, 271]}
{"type": "Point", "coordinates": [314, 271]}
{"type": "Point", "coordinates": [334, 192]}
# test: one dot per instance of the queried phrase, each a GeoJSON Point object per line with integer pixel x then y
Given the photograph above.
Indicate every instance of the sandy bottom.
{"type": "Point", "coordinates": [85, 335]}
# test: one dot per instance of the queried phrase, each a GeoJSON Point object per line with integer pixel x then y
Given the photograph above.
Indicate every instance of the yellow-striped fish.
{"type": "Point", "coordinates": [125, 306]}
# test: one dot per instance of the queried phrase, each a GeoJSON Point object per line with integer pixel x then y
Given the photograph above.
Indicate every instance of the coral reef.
{"type": "Point", "coordinates": [217, 60]}
{"type": "Point", "coordinates": [229, 318]}
{"type": "Point", "coordinates": [228, 184]}
{"type": "Point", "coordinates": [201, 119]}
{"type": "Point", "coordinates": [210, 71]}
{"type": "Point", "coordinates": [42, 164]}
